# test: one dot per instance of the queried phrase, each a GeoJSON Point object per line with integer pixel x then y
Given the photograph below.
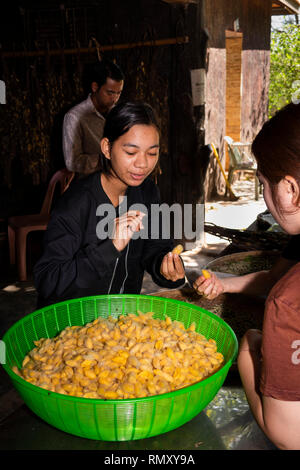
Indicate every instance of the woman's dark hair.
{"type": "Point", "coordinates": [277, 146]}
{"type": "Point", "coordinates": [122, 118]}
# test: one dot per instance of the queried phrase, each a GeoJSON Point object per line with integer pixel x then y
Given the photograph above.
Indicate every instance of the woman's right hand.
{"type": "Point", "coordinates": [124, 228]}
{"type": "Point", "coordinates": [209, 288]}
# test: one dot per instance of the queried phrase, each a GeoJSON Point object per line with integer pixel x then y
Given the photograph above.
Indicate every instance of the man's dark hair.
{"type": "Point", "coordinates": [100, 71]}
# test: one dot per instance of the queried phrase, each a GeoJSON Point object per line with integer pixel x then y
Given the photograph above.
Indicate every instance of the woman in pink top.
{"type": "Point", "coordinates": [269, 361]}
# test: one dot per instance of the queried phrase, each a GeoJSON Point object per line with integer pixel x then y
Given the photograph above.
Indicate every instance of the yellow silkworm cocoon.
{"type": "Point", "coordinates": [178, 249]}
{"type": "Point", "coordinates": [135, 355]}
{"type": "Point", "coordinates": [206, 274]}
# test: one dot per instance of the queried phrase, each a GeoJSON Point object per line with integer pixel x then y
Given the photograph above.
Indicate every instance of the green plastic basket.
{"type": "Point", "coordinates": [116, 420]}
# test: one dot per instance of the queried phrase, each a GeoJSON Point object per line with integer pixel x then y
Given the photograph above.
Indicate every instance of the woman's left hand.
{"type": "Point", "coordinates": [172, 267]}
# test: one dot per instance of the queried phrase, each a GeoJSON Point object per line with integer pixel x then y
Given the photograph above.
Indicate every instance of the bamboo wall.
{"type": "Point", "coordinates": [42, 86]}
{"type": "Point", "coordinates": [44, 79]}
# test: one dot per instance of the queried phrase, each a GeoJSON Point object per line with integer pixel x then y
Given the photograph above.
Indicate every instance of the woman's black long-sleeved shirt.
{"type": "Point", "coordinates": [77, 263]}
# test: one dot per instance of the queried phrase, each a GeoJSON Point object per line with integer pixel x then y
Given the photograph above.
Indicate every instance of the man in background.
{"type": "Point", "coordinates": [83, 124]}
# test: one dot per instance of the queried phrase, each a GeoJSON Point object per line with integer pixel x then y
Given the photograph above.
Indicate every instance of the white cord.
{"type": "Point", "coordinates": [112, 279]}
{"type": "Point", "coordinates": [126, 275]}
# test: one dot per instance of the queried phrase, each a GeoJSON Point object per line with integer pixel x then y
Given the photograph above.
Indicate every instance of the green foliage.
{"type": "Point", "coordinates": [285, 67]}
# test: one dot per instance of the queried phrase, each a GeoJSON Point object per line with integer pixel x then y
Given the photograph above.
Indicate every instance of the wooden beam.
{"type": "Point", "coordinates": [181, 1]}
{"type": "Point", "coordinates": [288, 7]}
{"type": "Point", "coordinates": [88, 50]}
{"type": "Point", "coordinates": [233, 34]}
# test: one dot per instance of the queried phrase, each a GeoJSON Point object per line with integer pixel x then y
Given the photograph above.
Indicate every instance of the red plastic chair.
{"type": "Point", "coordinates": [19, 226]}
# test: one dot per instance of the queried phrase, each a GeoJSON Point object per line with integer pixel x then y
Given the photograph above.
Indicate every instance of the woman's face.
{"type": "Point", "coordinates": [283, 209]}
{"type": "Point", "coordinates": [134, 154]}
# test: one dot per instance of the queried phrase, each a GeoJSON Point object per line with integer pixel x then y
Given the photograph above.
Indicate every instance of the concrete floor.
{"type": "Point", "coordinates": [228, 413]}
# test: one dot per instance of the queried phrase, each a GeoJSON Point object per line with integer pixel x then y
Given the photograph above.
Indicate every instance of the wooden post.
{"type": "Point", "coordinates": [234, 42]}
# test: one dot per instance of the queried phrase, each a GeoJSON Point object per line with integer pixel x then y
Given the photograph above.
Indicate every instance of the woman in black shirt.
{"type": "Point", "coordinates": [98, 240]}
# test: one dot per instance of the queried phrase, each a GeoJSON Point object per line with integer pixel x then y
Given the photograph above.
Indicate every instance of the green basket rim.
{"type": "Point", "coordinates": [188, 388]}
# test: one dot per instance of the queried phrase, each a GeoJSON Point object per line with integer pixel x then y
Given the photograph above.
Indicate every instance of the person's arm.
{"type": "Point", "coordinates": [160, 263]}
{"type": "Point", "coordinates": [278, 419]}
{"type": "Point", "coordinates": [257, 284]}
{"type": "Point", "coordinates": [66, 261]}
{"type": "Point", "coordinates": [75, 158]}
{"type": "Point", "coordinates": [172, 267]}
{"type": "Point", "coordinates": [166, 269]}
